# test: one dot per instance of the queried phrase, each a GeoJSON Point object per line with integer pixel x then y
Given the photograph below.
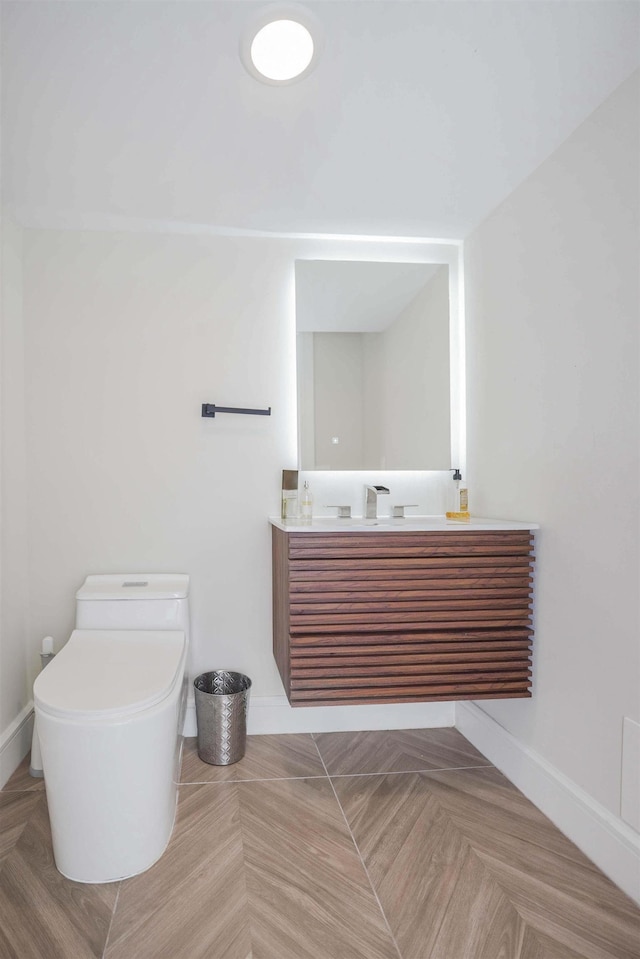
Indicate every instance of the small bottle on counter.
{"type": "Point", "coordinates": [459, 508]}
{"type": "Point", "coordinates": [306, 505]}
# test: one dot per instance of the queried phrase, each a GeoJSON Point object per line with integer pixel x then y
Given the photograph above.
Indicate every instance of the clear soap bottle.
{"type": "Point", "coordinates": [306, 505]}
{"type": "Point", "coordinates": [459, 508]}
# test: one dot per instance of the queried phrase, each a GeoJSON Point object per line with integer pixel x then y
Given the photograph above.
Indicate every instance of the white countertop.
{"type": "Point", "coordinates": [387, 524]}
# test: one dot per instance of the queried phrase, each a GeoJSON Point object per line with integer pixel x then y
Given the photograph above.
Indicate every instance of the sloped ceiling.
{"type": "Point", "coordinates": [418, 120]}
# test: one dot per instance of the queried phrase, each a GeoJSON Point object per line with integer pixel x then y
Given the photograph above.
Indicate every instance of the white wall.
{"type": "Point", "coordinates": [18, 661]}
{"type": "Point", "coordinates": [125, 336]}
{"type": "Point", "coordinates": [552, 352]}
{"type": "Point", "coordinates": [374, 398]}
{"type": "Point", "coordinates": [417, 379]}
{"type": "Point", "coordinates": [338, 400]}
{"type": "Point", "coordinates": [14, 689]}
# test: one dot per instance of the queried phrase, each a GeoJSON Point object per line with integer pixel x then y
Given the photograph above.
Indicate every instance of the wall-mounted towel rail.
{"type": "Point", "coordinates": [210, 409]}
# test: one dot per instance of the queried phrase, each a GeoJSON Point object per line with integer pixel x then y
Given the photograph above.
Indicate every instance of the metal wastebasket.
{"type": "Point", "coordinates": [222, 702]}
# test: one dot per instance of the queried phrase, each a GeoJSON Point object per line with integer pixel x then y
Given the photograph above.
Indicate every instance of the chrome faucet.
{"type": "Point", "coordinates": [371, 501]}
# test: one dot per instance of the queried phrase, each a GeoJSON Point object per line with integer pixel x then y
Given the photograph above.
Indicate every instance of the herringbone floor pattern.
{"type": "Point", "coordinates": [380, 845]}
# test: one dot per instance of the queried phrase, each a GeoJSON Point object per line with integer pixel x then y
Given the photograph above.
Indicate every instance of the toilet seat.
{"type": "Point", "coordinates": [105, 674]}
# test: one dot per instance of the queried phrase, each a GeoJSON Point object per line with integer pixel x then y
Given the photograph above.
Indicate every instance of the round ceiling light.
{"type": "Point", "coordinates": [280, 47]}
{"type": "Point", "coordinates": [282, 50]}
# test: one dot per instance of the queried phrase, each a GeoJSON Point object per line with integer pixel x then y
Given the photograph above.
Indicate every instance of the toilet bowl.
{"type": "Point", "coordinates": [109, 712]}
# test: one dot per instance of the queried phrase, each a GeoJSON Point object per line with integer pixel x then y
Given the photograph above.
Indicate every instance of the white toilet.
{"type": "Point", "coordinates": [109, 713]}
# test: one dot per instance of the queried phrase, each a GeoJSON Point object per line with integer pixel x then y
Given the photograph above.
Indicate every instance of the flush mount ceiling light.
{"type": "Point", "coordinates": [282, 50]}
{"type": "Point", "coordinates": [281, 45]}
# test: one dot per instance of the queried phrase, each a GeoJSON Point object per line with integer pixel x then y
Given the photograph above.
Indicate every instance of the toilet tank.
{"type": "Point", "coordinates": [134, 601]}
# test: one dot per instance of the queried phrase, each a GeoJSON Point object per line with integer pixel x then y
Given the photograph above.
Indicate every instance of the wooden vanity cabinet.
{"type": "Point", "coordinates": [408, 616]}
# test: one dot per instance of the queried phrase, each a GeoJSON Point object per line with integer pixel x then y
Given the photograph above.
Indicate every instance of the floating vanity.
{"type": "Point", "coordinates": [402, 610]}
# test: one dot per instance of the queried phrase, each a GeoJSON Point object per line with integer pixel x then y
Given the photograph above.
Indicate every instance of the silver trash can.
{"type": "Point", "coordinates": [222, 702]}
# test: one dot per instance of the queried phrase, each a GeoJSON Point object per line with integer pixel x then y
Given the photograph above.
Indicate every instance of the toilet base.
{"type": "Point", "coordinates": [112, 788]}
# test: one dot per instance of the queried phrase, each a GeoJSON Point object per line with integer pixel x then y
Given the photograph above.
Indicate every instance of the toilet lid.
{"type": "Point", "coordinates": [103, 673]}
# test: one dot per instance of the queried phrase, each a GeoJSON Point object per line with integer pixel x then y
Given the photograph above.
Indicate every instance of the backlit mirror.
{"type": "Point", "coordinates": [373, 365]}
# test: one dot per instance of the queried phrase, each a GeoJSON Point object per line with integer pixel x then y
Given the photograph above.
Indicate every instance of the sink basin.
{"type": "Point", "coordinates": [386, 522]}
{"type": "Point", "coordinates": [330, 524]}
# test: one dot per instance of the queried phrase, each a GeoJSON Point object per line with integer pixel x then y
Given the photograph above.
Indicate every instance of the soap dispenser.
{"type": "Point", "coordinates": [460, 501]}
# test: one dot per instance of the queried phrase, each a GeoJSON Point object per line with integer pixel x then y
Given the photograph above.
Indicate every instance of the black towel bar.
{"type": "Point", "coordinates": [210, 409]}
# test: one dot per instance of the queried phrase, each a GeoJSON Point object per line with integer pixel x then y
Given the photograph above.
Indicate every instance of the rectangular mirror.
{"type": "Point", "coordinates": [373, 365]}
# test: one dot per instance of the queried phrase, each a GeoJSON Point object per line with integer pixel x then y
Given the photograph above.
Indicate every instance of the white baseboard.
{"type": "Point", "coordinates": [15, 743]}
{"type": "Point", "coordinates": [608, 841]}
{"type": "Point", "coordinates": [273, 714]}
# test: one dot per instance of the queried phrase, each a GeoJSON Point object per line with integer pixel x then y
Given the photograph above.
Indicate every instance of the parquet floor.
{"type": "Point", "coordinates": [374, 845]}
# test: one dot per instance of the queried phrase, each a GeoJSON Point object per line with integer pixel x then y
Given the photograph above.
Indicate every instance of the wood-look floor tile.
{"type": "Point", "coordinates": [485, 873]}
{"type": "Point", "coordinates": [15, 811]}
{"type": "Point", "coordinates": [266, 757]}
{"type": "Point", "coordinates": [254, 870]}
{"type": "Point", "coordinates": [21, 781]}
{"type": "Point", "coordinates": [463, 865]}
{"type": "Point", "coordinates": [595, 929]}
{"type": "Point", "coordinates": [42, 914]}
{"type": "Point", "coordinates": [309, 895]}
{"type": "Point", "coordinates": [396, 750]}
{"type": "Point", "coordinates": [480, 922]}
{"type": "Point", "coordinates": [413, 854]}
{"type": "Point", "coordinates": [193, 902]}
{"type": "Point", "coordinates": [535, 945]}
{"type": "Point", "coordinates": [556, 889]}
{"type": "Point", "coordinates": [486, 803]}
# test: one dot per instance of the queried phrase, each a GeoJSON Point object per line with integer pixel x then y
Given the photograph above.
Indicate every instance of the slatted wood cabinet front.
{"type": "Point", "coordinates": [388, 617]}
